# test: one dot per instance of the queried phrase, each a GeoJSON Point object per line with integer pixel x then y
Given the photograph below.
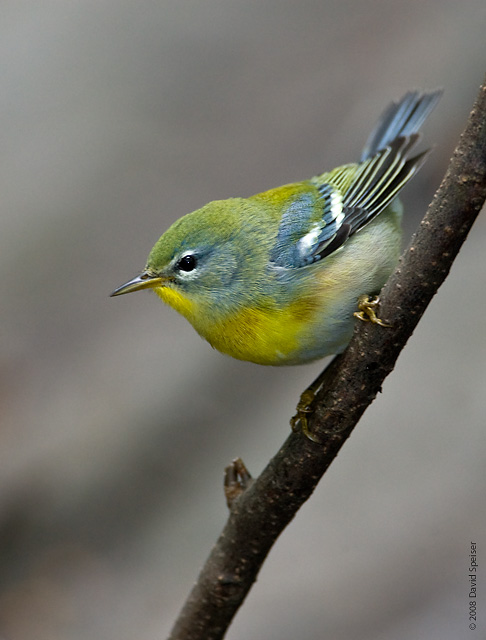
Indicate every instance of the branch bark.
{"type": "Point", "coordinates": [347, 388]}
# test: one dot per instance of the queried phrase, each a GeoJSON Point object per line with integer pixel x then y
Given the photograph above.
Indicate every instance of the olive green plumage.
{"type": "Point", "coordinates": [275, 278]}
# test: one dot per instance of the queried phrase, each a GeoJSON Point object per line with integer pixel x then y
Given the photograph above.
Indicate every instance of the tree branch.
{"type": "Point", "coordinates": [347, 388]}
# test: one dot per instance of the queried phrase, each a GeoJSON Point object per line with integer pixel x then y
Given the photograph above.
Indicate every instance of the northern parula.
{"type": "Point", "coordinates": [275, 278]}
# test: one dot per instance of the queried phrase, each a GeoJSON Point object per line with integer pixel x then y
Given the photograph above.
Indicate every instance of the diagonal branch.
{"type": "Point", "coordinates": [347, 387]}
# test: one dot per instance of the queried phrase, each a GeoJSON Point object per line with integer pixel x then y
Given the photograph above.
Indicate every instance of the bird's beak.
{"type": "Point", "coordinates": [143, 281]}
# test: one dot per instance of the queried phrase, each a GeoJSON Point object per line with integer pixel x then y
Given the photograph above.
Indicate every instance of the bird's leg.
{"type": "Point", "coordinates": [367, 310]}
{"type": "Point", "coordinates": [304, 409]}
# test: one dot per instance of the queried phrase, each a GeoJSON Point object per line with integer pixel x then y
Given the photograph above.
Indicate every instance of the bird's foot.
{"type": "Point", "coordinates": [300, 422]}
{"type": "Point", "coordinates": [367, 310]}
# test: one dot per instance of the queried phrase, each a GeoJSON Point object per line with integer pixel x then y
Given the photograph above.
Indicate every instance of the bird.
{"type": "Point", "coordinates": [277, 278]}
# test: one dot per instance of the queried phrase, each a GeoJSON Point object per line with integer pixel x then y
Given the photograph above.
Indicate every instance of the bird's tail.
{"type": "Point", "coordinates": [400, 119]}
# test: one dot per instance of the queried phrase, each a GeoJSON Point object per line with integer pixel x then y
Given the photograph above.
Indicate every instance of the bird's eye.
{"type": "Point", "coordinates": [187, 263]}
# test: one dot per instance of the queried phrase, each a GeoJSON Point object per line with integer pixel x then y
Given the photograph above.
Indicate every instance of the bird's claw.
{"type": "Point", "coordinates": [299, 422]}
{"type": "Point", "coordinates": [367, 310]}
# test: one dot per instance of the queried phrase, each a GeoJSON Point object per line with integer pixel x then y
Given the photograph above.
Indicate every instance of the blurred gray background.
{"type": "Point", "coordinates": [117, 420]}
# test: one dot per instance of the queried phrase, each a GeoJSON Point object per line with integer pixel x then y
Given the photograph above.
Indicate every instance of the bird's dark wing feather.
{"type": "Point", "coordinates": [353, 195]}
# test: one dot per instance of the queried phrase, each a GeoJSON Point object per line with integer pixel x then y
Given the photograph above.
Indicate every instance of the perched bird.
{"type": "Point", "coordinates": [275, 278]}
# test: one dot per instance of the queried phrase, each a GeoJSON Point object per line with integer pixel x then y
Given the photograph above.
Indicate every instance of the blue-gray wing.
{"type": "Point", "coordinates": [300, 235]}
{"type": "Point", "coordinates": [353, 195]}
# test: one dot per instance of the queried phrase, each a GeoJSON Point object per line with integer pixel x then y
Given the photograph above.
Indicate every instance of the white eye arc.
{"type": "Point", "coordinates": [187, 263]}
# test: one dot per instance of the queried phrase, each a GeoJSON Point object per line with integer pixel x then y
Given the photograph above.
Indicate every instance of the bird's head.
{"type": "Point", "coordinates": [206, 260]}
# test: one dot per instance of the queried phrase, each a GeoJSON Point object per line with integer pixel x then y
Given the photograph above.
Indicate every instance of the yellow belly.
{"type": "Point", "coordinates": [262, 335]}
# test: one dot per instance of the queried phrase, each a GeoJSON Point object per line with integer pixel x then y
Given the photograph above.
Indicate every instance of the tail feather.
{"type": "Point", "coordinates": [400, 119]}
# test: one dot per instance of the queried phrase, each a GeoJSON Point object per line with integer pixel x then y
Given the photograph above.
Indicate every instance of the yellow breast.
{"type": "Point", "coordinates": [268, 335]}
{"type": "Point", "coordinates": [265, 336]}
{"type": "Point", "coordinates": [176, 300]}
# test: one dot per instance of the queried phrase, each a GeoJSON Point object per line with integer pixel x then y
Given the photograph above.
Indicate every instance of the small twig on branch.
{"type": "Point", "coordinates": [237, 479]}
{"type": "Point", "coordinates": [348, 385]}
